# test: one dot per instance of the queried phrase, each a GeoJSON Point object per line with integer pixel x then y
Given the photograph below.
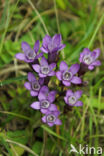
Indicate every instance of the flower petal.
{"type": "Point", "coordinates": [44, 50]}
{"type": "Point", "coordinates": [76, 80]}
{"type": "Point", "coordinates": [53, 107]}
{"type": "Point", "coordinates": [27, 85]}
{"type": "Point", "coordinates": [79, 103]}
{"type": "Point", "coordinates": [41, 81]}
{"type": "Point", "coordinates": [74, 68]}
{"type": "Point", "coordinates": [44, 111]}
{"type": "Point", "coordinates": [56, 40]}
{"type": "Point", "coordinates": [36, 67]}
{"type": "Point", "coordinates": [43, 62]}
{"type": "Point", "coordinates": [95, 53]}
{"type": "Point", "coordinates": [20, 56]}
{"type": "Point", "coordinates": [58, 122]}
{"type": "Point", "coordinates": [96, 63]}
{"type": "Point", "coordinates": [35, 105]}
{"type": "Point", "coordinates": [52, 66]}
{"type": "Point", "coordinates": [51, 96]}
{"type": "Point", "coordinates": [31, 77]}
{"type": "Point", "coordinates": [43, 93]}
{"type": "Point", "coordinates": [63, 66]}
{"type": "Point", "coordinates": [66, 83]}
{"type": "Point", "coordinates": [59, 75]}
{"type": "Point", "coordinates": [46, 41]}
{"type": "Point", "coordinates": [50, 124]}
{"type": "Point", "coordinates": [90, 67]}
{"type": "Point", "coordinates": [25, 47]}
{"type": "Point", "coordinates": [69, 93]}
{"type": "Point", "coordinates": [51, 73]}
{"type": "Point", "coordinates": [78, 94]}
{"type": "Point", "coordinates": [39, 55]}
{"type": "Point", "coordinates": [62, 46]}
{"type": "Point", "coordinates": [44, 119]}
{"type": "Point", "coordinates": [34, 93]}
{"type": "Point", "coordinates": [86, 51]}
{"type": "Point", "coordinates": [36, 46]}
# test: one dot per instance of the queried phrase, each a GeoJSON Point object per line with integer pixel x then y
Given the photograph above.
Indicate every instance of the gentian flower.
{"type": "Point", "coordinates": [89, 58]}
{"type": "Point", "coordinates": [33, 85]}
{"type": "Point", "coordinates": [46, 99]}
{"type": "Point", "coordinates": [44, 69]}
{"type": "Point", "coordinates": [53, 44]}
{"type": "Point", "coordinates": [67, 75]}
{"type": "Point", "coordinates": [72, 98]}
{"type": "Point", "coordinates": [51, 118]}
{"type": "Point", "coordinates": [29, 54]}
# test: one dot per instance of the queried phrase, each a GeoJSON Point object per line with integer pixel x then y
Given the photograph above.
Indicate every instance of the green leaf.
{"type": "Point", "coordinates": [61, 4]}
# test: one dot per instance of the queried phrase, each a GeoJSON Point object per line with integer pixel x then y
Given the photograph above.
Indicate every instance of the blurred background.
{"type": "Point", "coordinates": [81, 24]}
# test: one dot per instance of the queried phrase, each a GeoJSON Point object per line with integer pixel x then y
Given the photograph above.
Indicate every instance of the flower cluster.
{"type": "Point", "coordinates": [43, 69]}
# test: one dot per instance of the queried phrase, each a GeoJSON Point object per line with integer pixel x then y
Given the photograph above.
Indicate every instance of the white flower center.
{"type": "Point", "coordinates": [87, 59]}
{"type": "Point", "coordinates": [72, 100]}
{"type": "Point", "coordinates": [45, 104]}
{"type": "Point", "coordinates": [51, 118]}
{"type": "Point", "coordinates": [35, 85]}
{"type": "Point", "coordinates": [45, 70]}
{"type": "Point", "coordinates": [31, 55]}
{"type": "Point", "coordinates": [67, 75]}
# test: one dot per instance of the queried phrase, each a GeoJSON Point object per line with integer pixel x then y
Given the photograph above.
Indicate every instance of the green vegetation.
{"type": "Point", "coordinates": [81, 23]}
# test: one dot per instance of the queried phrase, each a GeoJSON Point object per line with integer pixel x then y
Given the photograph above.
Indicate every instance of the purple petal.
{"type": "Point", "coordinates": [25, 47]}
{"type": "Point", "coordinates": [74, 68]}
{"type": "Point", "coordinates": [43, 62]}
{"type": "Point", "coordinates": [46, 41]}
{"type": "Point", "coordinates": [41, 81]}
{"type": "Point", "coordinates": [44, 111]}
{"type": "Point", "coordinates": [52, 66]}
{"type": "Point", "coordinates": [44, 50]}
{"type": "Point", "coordinates": [76, 80]}
{"type": "Point", "coordinates": [59, 75]}
{"type": "Point", "coordinates": [79, 103]}
{"type": "Point", "coordinates": [35, 105]}
{"type": "Point", "coordinates": [51, 73]}
{"type": "Point", "coordinates": [31, 77]}
{"type": "Point", "coordinates": [86, 51]}
{"type": "Point", "coordinates": [95, 53]}
{"type": "Point", "coordinates": [44, 119]}
{"type": "Point", "coordinates": [65, 99]}
{"type": "Point", "coordinates": [53, 107]}
{"type": "Point", "coordinates": [90, 67]}
{"type": "Point", "coordinates": [69, 93]}
{"type": "Point", "coordinates": [43, 93]}
{"type": "Point", "coordinates": [50, 124]}
{"type": "Point", "coordinates": [20, 56]}
{"type": "Point", "coordinates": [58, 122]}
{"type": "Point", "coordinates": [78, 94]}
{"type": "Point", "coordinates": [63, 66]}
{"type": "Point", "coordinates": [36, 46]}
{"type": "Point", "coordinates": [36, 67]}
{"type": "Point", "coordinates": [39, 55]}
{"type": "Point", "coordinates": [56, 40]}
{"type": "Point", "coordinates": [66, 83]}
{"type": "Point", "coordinates": [27, 85]}
{"type": "Point", "coordinates": [42, 75]}
{"type": "Point", "coordinates": [34, 93]}
{"type": "Point", "coordinates": [51, 96]}
{"type": "Point", "coordinates": [56, 113]}
{"type": "Point", "coordinates": [96, 63]}
{"type": "Point", "coordinates": [62, 46]}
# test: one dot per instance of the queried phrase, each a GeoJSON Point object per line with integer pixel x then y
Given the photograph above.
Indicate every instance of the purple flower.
{"type": "Point", "coordinates": [51, 118]}
{"type": "Point", "coordinates": [89, 58]}
{"type": "Point", "coordinates": [72, 98]}
{"type": "Point", "coordinates": [44, 69]}
{"type": "Point", "coordinates": [46, 99]}
{"type": "Point", "coordinates": [29, 54]}
{"type": "Point", "coordinates": [53, 44]}
{"type": "Point", "coordinates": [67, 75]}
{"type": "Point", "coordinates": [33, 85]}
